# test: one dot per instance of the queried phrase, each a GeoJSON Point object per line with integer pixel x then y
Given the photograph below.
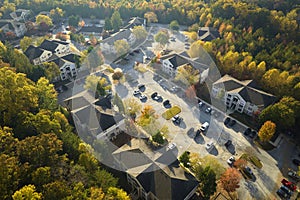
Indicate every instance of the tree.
{"type": "Point", "coordinates": [108, 25]}
{"type": "Point", "coordinates": [151, 17]}
{"type": "Point", "coordinates": [147, 116]}
{"type": "Point", "coordinates": [132, 106]}
{"type": "Point", "coordinates": [91, 83]}
{"type": "Point", "coordinates": [185, 158]}
{"type": "Point", "coordinates": [174, 25]}
{"type": "Point", "coordinates": [96, 193]}
{"type": "Point", "coordinates": [40, 19]}
{"type": "Point", "coordinates": [46, 94]}
{"type": "Point", "coordinates": [117, 75]}
{"type": "Point", "coordinates": [27, 193]}
{"type": "Point", "coordinates": [207, 179]}
{"type": "Point", "coordinates": [94, 58]}
{"type": "Point", "coordinates": [230, 180]}
{"type": "Point", "coordinates": [8, 143]}
{"type": "Point", "coordinates": [56, 14]}
{"type": "Point", "coordinates": [73, 20]}
{"type": "Point", "coordinates": [116, 193]}
{"type": "Point", "coordinates": [214, 164]}
{"type": "Point", "coordinates": [266, 131]}
{"type": "Point", "coordinates": [41, 176]}
{"type": "Point", "coordinates": [240, 163]}
{"type": "Point", "coordinates": [140, 33]}
{"type": "Point", "coordinates": [9, 175]}
{"type": "Point", "coordinates": [56, 190]}
{"type": "Point", "coordinates": [116, 21]}
{"type": "Point", "coordinates": [122, 47]}
{"type": "Point", "coordinates": [162, 37]}
{"type": "Point", "coordinates": [187, 75]}
{"type": "Point", "coordinates": [25, 42]}
{"type": "Point", "coordinates": [52, 71]}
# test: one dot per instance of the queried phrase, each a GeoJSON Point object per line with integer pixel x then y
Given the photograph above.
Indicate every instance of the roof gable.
{"type": "Point", "coordinates": [33, 52]}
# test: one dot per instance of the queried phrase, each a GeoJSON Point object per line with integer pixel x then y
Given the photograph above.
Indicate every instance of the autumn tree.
{"type": "Point", "coordinates": [56, 14]}
{"type": "Point", "coordinates": [52, 71]}
{"type": "Point", "coordinates": [207, 179]}
{"type": "Point", "coordinates": [73, 20]}
{"type": "Point", "coordinates": [214, 164]}
{"type": "Point", "coordinates": [266, 131]}
{"type": "Point", "coordinates": [116, 193]}
{"type": "Point", "coordinates": [147, 116]}
{"type": "Point", "coordinates": [132, 106]}
{"type": "Point", "coordinates": [230, 180]}
{"type": "Point", "coordinates": [25, 42]}
{"type": "Point", "coordinates": [151, 17]}
{"type": "Point", "coordinates": [187, 75]}
{"type": "Point", "coordinates": [27, 192]}
{"type": "Point", "coordinates": [121, 47]}
{"type": "Point", "coordinates": [97, 85]}
{"type": "Point", "coordinates": [162, 37]}
{"type": "Point", "coordinates": [117, 75]}
{"type": "Point", "coordinates": [47, 96]}
{"type": "Point", "coordinates": [140, 33]}
{"type": "Point", "coordinates": [41, 176]}
{"type": "Point", "coordinates": [240, 163]}
{"type": "Point", "coordinates": [40, 19]}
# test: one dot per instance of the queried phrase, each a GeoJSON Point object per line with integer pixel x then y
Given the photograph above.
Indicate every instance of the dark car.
{"type": "Point", "coordinates": [197, 133]}
{"type": "Point", "coordinates": [286, 190]}
{"type": "Point", "coordinates": [247, 131]}
{"type": "Point", "coordinates": [177, 119]}
{"type": "Point", "coordinates": [296, 162]}
{"type": "Point", "coordinates": [282, 194]}
{"type": "Point", "coordinates": [253, 134]}
{"type": "Point", "coordinates": [166, 103]}
{"type": "Point", "coordinates": [232, 123]}
{"type": "Point", "coordinates": [153, 95]}
{"type": "Point", "coordinates": [226, 121]}
{"type": "Point", "coordinates": [228, 143]}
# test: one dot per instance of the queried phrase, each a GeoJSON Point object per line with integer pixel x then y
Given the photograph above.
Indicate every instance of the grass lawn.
{"type": "Point", "coordinates": [253, 159]}
{"type": "Point", "coordinates": [171, 112]}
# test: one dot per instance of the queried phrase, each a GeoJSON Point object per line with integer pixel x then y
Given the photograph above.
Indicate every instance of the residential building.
{"type": "Point", "coordinates": [154, 177]}
{"type": "Point", "coordinates": [107, 45]}
{"type": "Point", "coordinates": [55, 51]}
{"type": "Point", "coordinates": [95, 117]}
{"type": "Point", "coordinates": [95, 30]}
{"type": "Point", "coordinates": [241, 96]}
{"type": "Point", "coordinates": [20, 15]}
{"type": "Point", "coordinates": [208, 33]}
{"type": "Point", "coordinates": [135, 21]}
{"type": "Point", "coordinates": [18, 28]}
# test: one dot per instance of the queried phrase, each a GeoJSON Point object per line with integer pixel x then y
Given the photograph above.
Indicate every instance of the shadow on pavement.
{"type": "Point", "coordinates": [199, 139]}
{"type": "Point", "coordinates": [191, 132]}
{"type": "Point", "coordinates": [121, 90]}
{"type": "Point", "coordinates": [214, 151]}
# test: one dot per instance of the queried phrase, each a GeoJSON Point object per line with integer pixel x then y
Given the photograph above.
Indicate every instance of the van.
{"type": "Point", "coordinates": [204, 126]}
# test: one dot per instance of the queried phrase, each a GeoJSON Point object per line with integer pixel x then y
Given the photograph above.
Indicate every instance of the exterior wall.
{"type": "Point", "coordinates": [62, 49]}
{"type": "Point", "coordinates": [235, 102]}
{"type": "Point", "coordinates": [21, 30]}
{"type": "Point", "coordinates": [108, 134]}
{"type": "Point", "coordinates": [168, 68]}
{"type": "Point", "coordinates": [250, 108]}
{"type": "Point", "coordinates": [68, 70]}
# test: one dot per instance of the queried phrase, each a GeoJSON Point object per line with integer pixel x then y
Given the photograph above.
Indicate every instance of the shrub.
{"type": "Point", "coordinates": [185, 158]}
{"type": "Point", "coordinates": [158, 137]}
{"type": "Point", "coordinates": [117, 75]}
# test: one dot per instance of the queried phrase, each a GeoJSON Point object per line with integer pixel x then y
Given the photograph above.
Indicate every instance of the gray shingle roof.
{"type": "Point", "coordinates": [208, 33]}
{"type": "Point", "coordinates": [91, 29]}
{"type": "Point", "coordinates": [247, 90]}
{"type": "Point", "coordinates": [122, 34]}
{"type": "Point", "coordinates": [33, 52]}
{"type": "Point", "coordinates": [176, 60]}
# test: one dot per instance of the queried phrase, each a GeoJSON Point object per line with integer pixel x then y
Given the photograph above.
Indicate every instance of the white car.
{"type": "Point", "coordinates": [142, 97]}
{"type": "Point", "coordinates": [136, 92]}
{"type": "Point", "coordinates": [171, 146]}
{"type": "Point", "coordinates": [204, 126]}
{"type": "Point", "coordinates": [231, 160]}
{"type": "Point", "coordinates": [208, 110]}
{"type": "Point", "coordinates": [209, 145]}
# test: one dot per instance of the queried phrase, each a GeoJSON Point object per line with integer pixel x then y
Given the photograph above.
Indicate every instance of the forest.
{"type": "Point", "coordinates": [40, 155]}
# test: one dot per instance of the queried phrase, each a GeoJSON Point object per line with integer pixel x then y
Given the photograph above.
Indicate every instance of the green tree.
{"type": "Point", "coordinates": [8, 143]}
{"type": "Point", "coordinates": [267, 131]}
{"type": "Point", "coordinates": [114, 193]}
{"type": "Point", "coordinates": [78, 192]}
{"type": "Point", "coordinates": [207, 179]}
{"type": "Point", "coordinates": [132, 106]}
{"type": "Point", "coordinates": [73, 20]}
{"type": "Point", "coordinates": [56, 190]}
{"type": "Point", "coordinates": [108, 25]}
{"type": "Point", "coordinates": [140, 33]}
{"type": "Point", "coordinates": [41, 176]}
{"type": "Point", "coordinates": [56, 14]}
{"type": "Point", "coordinates": [122, 47]}
{"type": "Point", "coordinates": [52, 71]}
{"type": "Point", "coordinates": [158, 137]}
{"type": "Point", "coordinates": [162, 37]}
{"type": "Point", "coordinates": [25, 42]}
{"type": "Point", "coordinates": [214, 164]}
{"type": "Point", "coordinates": [46, 94]}
{"type": "Point", "coordinates": [27, 193]}
{"type": "Point", "coordinates": [185, 158]}
{"type": "Point", "coordinates": [116, 21]}
{"type": "Point", "coordinates": [9, 175]}
{"type": "Point", "coordinates": [94, 58]}
{"type": "Point", "coordinates": [187, 75]}
{"type": "Point", "coordinates": [91, 83]}
{"type": "Point", "coordinates": [174, 25]}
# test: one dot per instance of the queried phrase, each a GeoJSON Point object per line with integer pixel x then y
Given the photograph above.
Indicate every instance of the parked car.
{"type": "Point", "coordinates": [158, 98]}
{"type": "Point", "coordinates": [141, 86]}
{"type": "Point", "coordinates": [201, 104]}
{"type": "Point", "coordinates": [296, 162]}
{"type": "Point", "coordinates": [197, 133]}
{"type": "Point", "coordinates": [231, 123]}
{"type": "Point", "coordinates": [252, 134]}
{"type": "Point", "coordinates": [289, 184]}
{"type": "Point", "coordinates": [153, 95]}
{"type": "Point", "coordinates": [247, 131]}
{"type": "Point", "coordinates": [286, 190]}
{"type": "Point", "coordinates": [136, 92]}
{"type": "Point", "coordinates": [230, 160]}
{"type": "Point", "coordinates": [248, 171]}
{"type": "Point", "coordinates": [204, 126]}
{"type": "Point", "coordinates": [228, 143]}
{"type": "Point", "coordinates": [166, 103]}
{"type": "Point", "coordinates": [226, 121]}
{"type": "Point", "coordinates": [294, 175]}
{"type": "Point", "coordinates": [282, 194]}
{"type": "Point", "coordinates": [136, 51]}
{"type": "Point", "coordinates": [171, 146]}
{"type": "Point", "coordinates": [209, 145]}
{"type": "Point", "coordinates": [208, 110]}
{"type": "Point", "coordinates": [176, 119]}
{"type": "Point", "coordinates": [174, 89]}
{"type": "Point", "coordinates": [143, 97]}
